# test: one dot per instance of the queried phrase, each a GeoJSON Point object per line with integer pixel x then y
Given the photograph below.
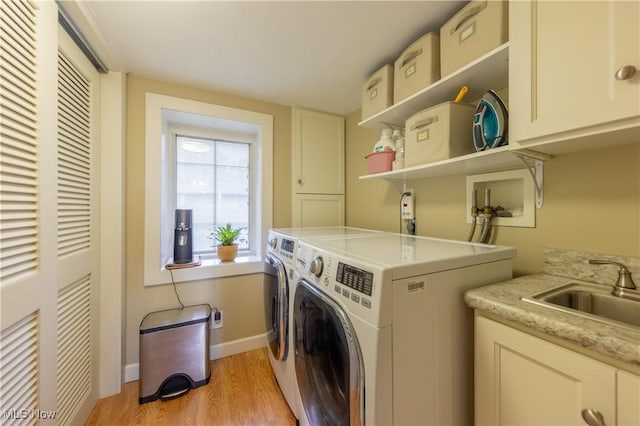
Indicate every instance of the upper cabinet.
{"type": "Point", "coordinates": [318, 152]}
{"type": "Point", "coordinates": [571, 74]}
{"type": "Point", "coordinates": [318, 168]}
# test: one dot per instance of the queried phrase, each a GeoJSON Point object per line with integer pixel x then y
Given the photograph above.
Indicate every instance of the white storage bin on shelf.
{"type": "Point", "coordinates": [377, 92]}
{"type": "Point", "coordinates": [476, 29]}
{"type": "Point", "coordinates": [417, 67]}
{"type": "Point", "coordinates": [438, 133]}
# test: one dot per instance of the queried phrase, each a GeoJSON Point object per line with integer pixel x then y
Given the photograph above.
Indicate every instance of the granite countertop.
{"type": "Point", "coordinates": [503, 300]}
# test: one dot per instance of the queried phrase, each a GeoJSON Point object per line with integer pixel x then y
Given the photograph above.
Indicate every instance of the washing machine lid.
{"type": "Point", "coordinates": [324, 231]}
{"type": "Point", "coordinates": [490, 122]}
{"type": "Point", "coordinates": [386, 251]}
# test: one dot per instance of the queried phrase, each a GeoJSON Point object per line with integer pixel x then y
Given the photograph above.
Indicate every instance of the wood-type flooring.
{"type": "Point", "coordinates": [242, 391]}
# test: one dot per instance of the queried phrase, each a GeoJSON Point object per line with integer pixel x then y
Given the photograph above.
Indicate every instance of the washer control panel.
{"type": "Point", "coordinates": [363, 288]}
{"type": "Point", "coordinates": [355, 278]}
{"type": "Point", "coordinates": [317, 266]}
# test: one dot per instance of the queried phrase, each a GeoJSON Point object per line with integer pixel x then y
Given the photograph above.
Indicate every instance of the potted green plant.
{"type": "Point", "coordinates": [227, 238]}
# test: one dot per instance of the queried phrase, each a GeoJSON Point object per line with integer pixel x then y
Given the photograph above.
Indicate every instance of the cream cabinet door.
{"type": "Point", "coordinates": [318, 210]}
{"type": "Point", "coordinates": [521, 379]}
{"type": "Point", "coordinates": [563, 60]}
{"type": "Point", "coordinates": [318, 153]}
{"type": "Point", "coordinates": [628, 399]}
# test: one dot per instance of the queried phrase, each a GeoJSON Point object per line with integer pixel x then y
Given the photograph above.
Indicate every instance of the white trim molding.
{"type": "Point", "coordinates": [159, 108]}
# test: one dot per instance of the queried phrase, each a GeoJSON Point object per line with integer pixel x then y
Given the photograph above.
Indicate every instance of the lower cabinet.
{"type": "Point", "coordinates": [318, 210]}
{"type": "Point", "coordinates": [628, 398]}
{"type": "Point", "coordinates": [522, 379]}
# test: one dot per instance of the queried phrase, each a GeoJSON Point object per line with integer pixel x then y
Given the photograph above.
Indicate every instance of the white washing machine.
{"type": "Point", "coordinates": [279, 265]}
{"type": "Point", "coordinates": [382, 334]}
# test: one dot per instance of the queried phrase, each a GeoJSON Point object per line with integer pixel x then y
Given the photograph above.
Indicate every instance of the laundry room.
{"type": "Point", "coordinates": [402, 236]}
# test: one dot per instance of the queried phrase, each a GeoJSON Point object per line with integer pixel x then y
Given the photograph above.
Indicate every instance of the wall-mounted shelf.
{"type": "Point", "coordinates": [490, 71]}
{"type": "Point", "coordinates": [492, 160]}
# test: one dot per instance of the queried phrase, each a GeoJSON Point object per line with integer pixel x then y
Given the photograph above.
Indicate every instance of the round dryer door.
{"type": "Point", "coordinates": [328, 361]}
{"type": "Point", "coordinates": [276, 299]}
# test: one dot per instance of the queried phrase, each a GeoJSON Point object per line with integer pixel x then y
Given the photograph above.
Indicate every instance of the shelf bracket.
{"type": "Point", "coordinates": [534, 162]}
{"type": "Point", "coordinates": [396, 184]}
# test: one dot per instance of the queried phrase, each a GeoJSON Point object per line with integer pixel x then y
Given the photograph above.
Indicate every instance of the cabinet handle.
{"type": "Point", "coordinates": [593, 417]}
{"type": "Point", "coordinates": [626, 72]}
{"type": "Point", "coordinates": [299, 181]}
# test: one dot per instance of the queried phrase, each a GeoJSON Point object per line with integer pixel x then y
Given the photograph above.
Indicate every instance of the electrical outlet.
{"type": "Point", "coordinates": [217, 323]}
{"type": "Point", "coordinates": [408, 209]}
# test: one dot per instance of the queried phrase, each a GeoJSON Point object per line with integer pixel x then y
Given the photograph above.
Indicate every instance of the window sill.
{"type": "Point", "coordinates": [210, 268]}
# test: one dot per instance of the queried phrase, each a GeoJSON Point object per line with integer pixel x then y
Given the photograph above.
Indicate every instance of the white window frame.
{"type": "Point", "coordinates": [217, 135]}
{"type": "Point", "coordinates": [164, 115]}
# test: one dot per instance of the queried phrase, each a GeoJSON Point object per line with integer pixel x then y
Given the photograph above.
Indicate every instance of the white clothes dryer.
{"type": "Point", "coordinates": [381, 331]}
{"type": "Point", "coordinates": [279, 265]}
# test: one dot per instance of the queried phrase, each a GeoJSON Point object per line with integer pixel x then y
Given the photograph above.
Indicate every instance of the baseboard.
{"type": "Point", "coordinates": [131, 372]}
{"type": "Point", "coordinates": [237, 346]}
{"type": "Point", "coordinates": [221, 350]}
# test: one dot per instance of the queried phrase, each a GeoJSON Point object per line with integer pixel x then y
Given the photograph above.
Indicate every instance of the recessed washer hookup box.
{"type": "Point", "coordinates": [174, 352]}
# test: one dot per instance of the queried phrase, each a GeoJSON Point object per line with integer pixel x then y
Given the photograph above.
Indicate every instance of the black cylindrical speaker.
{"type": "Point", "coordinates": [183, 237]}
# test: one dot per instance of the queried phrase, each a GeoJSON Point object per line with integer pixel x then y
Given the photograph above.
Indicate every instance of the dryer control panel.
{"type": "Point", "coordinates": [282, 247]}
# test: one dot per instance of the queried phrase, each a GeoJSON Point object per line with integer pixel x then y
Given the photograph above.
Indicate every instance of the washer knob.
{"type": "Point", "coordinates": [316, 267]}
{"type": "Point", "coordinates": [273, 242]}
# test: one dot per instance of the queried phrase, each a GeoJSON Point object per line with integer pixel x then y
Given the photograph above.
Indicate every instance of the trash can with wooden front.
{"type": "Point", "coordinates": [174, 352]}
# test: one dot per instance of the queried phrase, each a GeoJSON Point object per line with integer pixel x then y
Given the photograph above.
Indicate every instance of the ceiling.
{"type": "Point", "coordinates": [312, 54]}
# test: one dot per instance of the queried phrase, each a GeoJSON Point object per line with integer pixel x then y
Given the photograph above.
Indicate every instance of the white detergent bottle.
{"type": "Point", "coordinates": [385, 143]}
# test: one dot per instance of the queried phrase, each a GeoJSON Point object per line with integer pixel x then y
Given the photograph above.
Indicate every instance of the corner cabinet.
{"type": "Point", "coordinates": [571, 74]}
{"type": "Point", "coordinates": [318, 168]}
{"type": "Point", "coordinates": [522, 379]}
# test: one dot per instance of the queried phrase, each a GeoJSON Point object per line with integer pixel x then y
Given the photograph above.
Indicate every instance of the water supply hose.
{"type": "Point", "coordinates": [484, 233]}
{"type": "Point", "coordinates": [474, 214]}
{"type": "Point", "coordinates": [472, 231]}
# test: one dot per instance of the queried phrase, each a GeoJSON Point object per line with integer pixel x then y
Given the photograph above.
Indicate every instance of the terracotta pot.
{"type": "Point", "coordinates": [227, 253]}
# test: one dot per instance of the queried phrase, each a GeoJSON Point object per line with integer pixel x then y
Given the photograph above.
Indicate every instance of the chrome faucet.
{"type": "Point", "coordinates": [624, 282]}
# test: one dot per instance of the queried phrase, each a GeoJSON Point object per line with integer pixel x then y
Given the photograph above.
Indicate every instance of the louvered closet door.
{"type": "Point", "coordinates": [48, 265]}
{"type": "Point", "coordinates": [77, 237]}
{"type": "Point", "coordinates": [28, 264]}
